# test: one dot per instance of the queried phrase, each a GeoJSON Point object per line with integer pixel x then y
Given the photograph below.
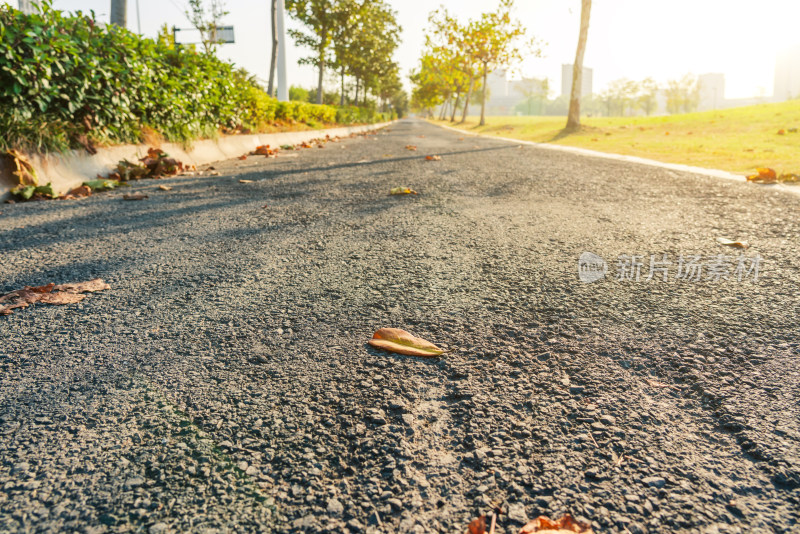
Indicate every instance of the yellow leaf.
{"type": "Point", "coordinates": [402, 191]}
{"type": "Point", "coordinates": [402, 342]}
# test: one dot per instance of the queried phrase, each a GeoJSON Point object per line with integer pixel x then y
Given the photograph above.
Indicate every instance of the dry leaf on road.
{"type": "Point", "coordinates": [477, 526]}
{"type": "Point", "coordinates": [764, 175]}
{"type": "Point", "coordinates": [134, 196]}
{"type": "Point", "coordinates": [402, 191]}
{"type": "Point", "coordinates": [245, 181]}
{"type": "Point", "coordinates": [732, 243]}
{"type": "Point", "coordinates": [165, 187]}
{"type": "Point", "coordinates": [50, 294]}
{"type": "Point", "coordinates": [433, 158]}
{"type": "Point", "coordinates": [411, 147]}
{"type": "Point", "coordinates": [564, 525]}
{"type": "Point", "coordinates": [402, 342]}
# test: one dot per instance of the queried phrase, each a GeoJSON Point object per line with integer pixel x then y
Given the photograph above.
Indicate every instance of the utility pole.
{"type": "Point", "coordinates": [119, 13]}
{"type": "Point", "coordinates": [283, 89]}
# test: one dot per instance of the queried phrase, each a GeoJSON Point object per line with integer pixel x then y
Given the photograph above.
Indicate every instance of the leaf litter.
{"type": "Point", "coordinates": [50, 294]}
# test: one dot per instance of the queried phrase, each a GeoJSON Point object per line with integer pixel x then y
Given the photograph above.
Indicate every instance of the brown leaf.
{"type": "Point", "coordinates": [565, 524]}
{"type": "Point", "coordinates": [134, 196]}
{"type": "Point", "coordinates": [411, 147]}
{"type": "Point", "coordinates": [61, 298]}
{"type": "Point", "coordinates": [433, 158]}
{"type": "Point", "coordinates": [243, 157]}
{"type": "Point", "coordinates": [245, 181]}
{"type": "Point", "coordinates": [402, 342]}
{"type": "Point", "coordinates": [477, 526]}
{"type": "Point", "coordinates": [165, 187]}
{"type": "Point", "coordinates": [82, 191]}
{"type": "Point", "coordinates": [96, 284]}
{"type": "Point", "coordinates": [50, 294]}
{"type": "Point", "coordinates": [24, 171]}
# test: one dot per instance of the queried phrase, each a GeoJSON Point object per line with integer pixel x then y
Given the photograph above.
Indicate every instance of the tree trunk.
{"type": "Point", "coordinates": [274, 59]}
{"type": "Point", "coordinates": [319, 82]}
{"type": "Point", "coordinates": [341, 99]}
{"type": "Point", "coordinates": [455, 107]}
{"type": "Point", "coordinates": [355, 100]}
{"type": "Point", "coordinates": [574, 115]}
{"type": "Point", "coordinates": [466, 104]}
{"type": "Point", "coordinates": [483, 98]}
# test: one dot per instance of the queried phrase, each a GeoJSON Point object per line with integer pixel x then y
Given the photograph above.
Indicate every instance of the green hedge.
{"type": "Point", "coordinates": [66, 81]}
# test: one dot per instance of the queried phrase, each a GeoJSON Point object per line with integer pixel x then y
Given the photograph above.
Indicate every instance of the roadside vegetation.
{"type": "Point", "coordinates": [736, 140]}
{"type": "Point", "coordinates": [70, 82]}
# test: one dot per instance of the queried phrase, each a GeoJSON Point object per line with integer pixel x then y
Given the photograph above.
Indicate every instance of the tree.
{"type": "Point", "coordinates": [574, 114]}
{"type": "Point", "coordinates": [319, 17]}
{"type": "Point", "coordinates": [206, 20]}
{"type": "Point", "coordinates": [648, 95]}
{"type": "Point", "coordinates": [535, 91]}
{"type": "Point", "coordinates": [682, 95]}
{"type": "Point", "coordinates": [273, 62]}
{"type": "Point", "coordinates": [493, 44]}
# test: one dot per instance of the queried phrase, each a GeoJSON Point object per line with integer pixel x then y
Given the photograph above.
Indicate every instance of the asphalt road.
{"type": "Point", "coordinates": [224, 382]}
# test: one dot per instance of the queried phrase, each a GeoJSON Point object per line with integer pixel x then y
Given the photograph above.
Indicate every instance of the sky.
{"type": "Point", "coordinates": [627, 38]}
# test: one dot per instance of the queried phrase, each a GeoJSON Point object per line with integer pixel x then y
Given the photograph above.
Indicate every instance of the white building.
{"type": "Point", "coordinates": [712, 91]}
{"type": "Point", "coordinates": [566, 80]}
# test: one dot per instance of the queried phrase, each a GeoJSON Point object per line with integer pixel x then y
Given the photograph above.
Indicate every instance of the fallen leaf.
{"type": "Point", "coordinates": [731, 243]}
{"type": "Point", "coordinates": [134, 196]}
{"type": "Point", "coordinates": [781, 132]}
{"type": "Point", "coordinates": [102, 184]}
{"type": "Point", "coordinates": [411, 147]}
{"type": "Point", "coordinates": [61, 298]}
{"type": "Point", "coordinates": [477, 526]}
{"type": "Point", "coordinates": [421, 136]}
{"type": "Point", "coordinates": [265, 206]}
{"type": "Point", "coordinates": [25, 173]}
{"type": "Point", "coordinates": [363, 161]}
{"type": "Point", "coordinates": [433, 158]}
{"type": "Point", "coordinates": [402, 342]}
{"type": "Point", "coordinates": [243, 157]}
{"type": "Point", "coordinates": [789, 178]}
{"type": "Point", "coordinates": [566, 524]}
{"type": "Point", "coordinates": [165, 187]}
{"type": "Point", "coordinates": [402, 191]}
{"type": "Point", "coordinates": [245, 181]}
{"type": "Point", "coordinates": [764, 175]}
{"type": "Point", "coordinates": [82, 191]}
{"type": "Point", "coordinates": [50, 294]}
{"type": "Point", "coordinates": [96, 284]}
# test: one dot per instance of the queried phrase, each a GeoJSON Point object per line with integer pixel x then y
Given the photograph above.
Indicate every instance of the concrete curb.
{"type": "Point", "coordinates": [65, 171]}
{"type": "Point", "coordinates": [715, 173]}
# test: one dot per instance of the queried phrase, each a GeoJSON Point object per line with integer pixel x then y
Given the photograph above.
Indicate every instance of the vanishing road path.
{"type": "Point", "coordinates": [224, 383]}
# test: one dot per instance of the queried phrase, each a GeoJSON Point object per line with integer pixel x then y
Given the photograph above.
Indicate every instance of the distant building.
{"type": "Point", "coordinates": [787, 75]}
{"type": "Point", "coordinates": [27, 6]}
{"type": "Point", "coordinates": [566, 80]}
{"type": "Point", "coordinates": [712, 91]}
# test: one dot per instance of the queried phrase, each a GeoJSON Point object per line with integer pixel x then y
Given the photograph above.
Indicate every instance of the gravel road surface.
{"type": "Point", "coordinates": [224, 383]}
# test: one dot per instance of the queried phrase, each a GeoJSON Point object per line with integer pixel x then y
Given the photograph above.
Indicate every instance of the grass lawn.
{"type": "Point", "coordinates": [736, 140]}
